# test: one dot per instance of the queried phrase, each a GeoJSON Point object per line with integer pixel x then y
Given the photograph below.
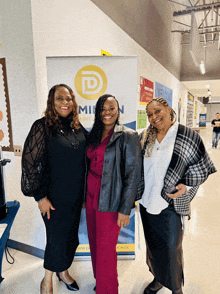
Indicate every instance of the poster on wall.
{"type": "Point", "coordinates": [91, 77]}
{"type": "Point", "coordinates": [141, 119]}
{"type": "Point", "coordinates": [179, 111]}
{"type": "Point", "coordinates": [190, 111]}
{"type": "Point", "coordinates": [146, 91]}
{"type": "Point", "coordinates": [164, 92]}
{"type": "Point", "coordinates": [202, 120]}
{"type": "Point", "coordinates": [195, 112]}
{"type": "Point", "coordinates": [5, 116]}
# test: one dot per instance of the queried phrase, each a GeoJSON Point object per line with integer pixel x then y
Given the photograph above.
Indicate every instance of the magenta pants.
{"type": "Point", "coordinates": [103, 234]}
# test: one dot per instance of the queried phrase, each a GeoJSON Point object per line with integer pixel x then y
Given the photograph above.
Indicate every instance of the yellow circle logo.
{"type": "Point", "coordinates": [90, 82]}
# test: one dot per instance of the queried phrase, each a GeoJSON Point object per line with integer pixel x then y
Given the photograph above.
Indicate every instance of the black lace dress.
{"type": "Point", "coordinates": [54, 166]}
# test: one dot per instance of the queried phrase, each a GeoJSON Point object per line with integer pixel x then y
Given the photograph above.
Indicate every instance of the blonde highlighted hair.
{"type": "Point", "coordinates": [150, 134]}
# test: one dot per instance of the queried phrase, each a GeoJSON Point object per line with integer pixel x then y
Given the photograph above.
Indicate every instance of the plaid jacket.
{"type": "Point", "coordinates": [190, 165]}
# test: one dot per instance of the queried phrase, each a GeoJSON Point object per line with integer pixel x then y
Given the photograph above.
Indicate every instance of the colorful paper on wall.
{"type": "Point", "coordinates": [195, 112]}
{"type": "Point", "coordinates": [141, 119]}
{"type": "Point", "coordinates": [202, 120]}
{"type": "Point", "coordinates": [164, 92]}
{"type": "Point", "coordinates": [146, 91]}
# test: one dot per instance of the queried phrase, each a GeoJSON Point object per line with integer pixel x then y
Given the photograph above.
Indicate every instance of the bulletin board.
{"type": "Point", "coordinates": [5, 115]}
{"type": "Point", "coordinates": [190, 111]}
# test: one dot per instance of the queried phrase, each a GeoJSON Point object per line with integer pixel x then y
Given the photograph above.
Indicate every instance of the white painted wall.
{"type": "Point", "coordinates": [18, 50]}
{"type": "Point", "coordinates": [60, 28]}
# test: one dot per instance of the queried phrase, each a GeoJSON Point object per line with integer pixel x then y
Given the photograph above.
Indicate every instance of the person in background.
{"type": "Point", "coordinates": [216, 130]}
{"type": "Point", "coordinates": [175, 164]}
{"type": "Point", "coordinates": [53, 172]}
{"type": "Point", "coordinates": [114, 171]}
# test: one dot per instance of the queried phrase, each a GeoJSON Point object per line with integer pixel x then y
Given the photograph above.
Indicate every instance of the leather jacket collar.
{"type": "Point", "coordinates": [118, 129]}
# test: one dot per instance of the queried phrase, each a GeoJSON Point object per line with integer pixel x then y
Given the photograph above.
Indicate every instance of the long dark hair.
{"type": "Point", "coordinates": [52, 117]}
{"type": "Point", "coordinates": [95, 135]}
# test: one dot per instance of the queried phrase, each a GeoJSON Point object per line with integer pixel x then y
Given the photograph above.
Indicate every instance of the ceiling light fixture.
{"type": "Point", "coordinates": [202, 67]}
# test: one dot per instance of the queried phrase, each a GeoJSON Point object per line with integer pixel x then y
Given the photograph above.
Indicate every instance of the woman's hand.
{"type": "Point", "coordinates": [45, 206]}
{"type": "Point", "coordinates": [123, 220]}
{"type": "Point", "coordinates": [181, 189]}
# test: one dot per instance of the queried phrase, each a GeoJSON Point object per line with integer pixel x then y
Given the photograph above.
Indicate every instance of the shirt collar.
{"type": "Point", "coordinates": [171, 133]}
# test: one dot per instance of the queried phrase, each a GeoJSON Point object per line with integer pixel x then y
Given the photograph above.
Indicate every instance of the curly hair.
{"type": "Point", "coordinates": [95, 135]}
{"type": "Point", "coordinates": [52, 117]}
{"type": "Point", "coordinates": [150, 134]}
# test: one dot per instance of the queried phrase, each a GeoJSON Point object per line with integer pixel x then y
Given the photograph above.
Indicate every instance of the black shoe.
{"type": "Point", "coordinates": [148, 290]}
{"type": "Point", "coordinates": [94, 289]}
{"type": "Point", "coordinates": [72, 287]}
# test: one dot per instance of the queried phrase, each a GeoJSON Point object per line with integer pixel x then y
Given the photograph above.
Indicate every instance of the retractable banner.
{"type": "Point", "coordinates": [91, 77]}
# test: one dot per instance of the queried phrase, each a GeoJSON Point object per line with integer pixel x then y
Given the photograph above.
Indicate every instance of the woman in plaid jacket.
{"type": "Point", "coordinates": [175, 164]}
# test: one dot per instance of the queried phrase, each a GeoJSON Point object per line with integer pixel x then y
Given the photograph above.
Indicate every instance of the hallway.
{"type": "Point", "coordinates": [201, 252]}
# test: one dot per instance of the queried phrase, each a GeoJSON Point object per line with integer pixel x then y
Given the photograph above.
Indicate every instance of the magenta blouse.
{"type": "Point", "coordinates": [94, 178]}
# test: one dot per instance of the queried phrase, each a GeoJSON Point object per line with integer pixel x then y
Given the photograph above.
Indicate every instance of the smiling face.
{"type": "Point", "coordinates": [63, 101]}
{"type": "Point", "coordinates": [159, 115]}
{"type": "Point", "coordinates": [109, 112]}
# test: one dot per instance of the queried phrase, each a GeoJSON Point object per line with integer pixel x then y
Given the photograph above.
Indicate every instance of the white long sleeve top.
{"type": "Point", "coordinates": [155, 168]}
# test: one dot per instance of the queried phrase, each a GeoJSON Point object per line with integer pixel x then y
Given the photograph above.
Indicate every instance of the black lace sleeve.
{"type": "Point", "coordinates": [34, 162]}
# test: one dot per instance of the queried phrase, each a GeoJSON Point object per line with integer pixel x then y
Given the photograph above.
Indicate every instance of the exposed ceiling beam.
{"type": "Point", "coordinates": [182, 23]}
{"type": "Point", "coordinates": [204, 23]}
{"type": "Point", "coordinates": [208, 41]}
{"type": "Point", "coordinates": [217, 17]}
{"type": "Point", "coordinates": [207, 6]}
{"type": "Point", "coordinates": [204, 18]}
{"type": "Point", "coordinates": [219, 42]}
{"type": "Point", "coordinates": [217, 12]}
{"type": "Point", "coordinates": [188, 31]}
{"type": "Point", "coordinates": [210, 27]}
{"type": "Point", "coordinates": [179, 31]}
{"type": "Point", "coordinates": [197, 8]}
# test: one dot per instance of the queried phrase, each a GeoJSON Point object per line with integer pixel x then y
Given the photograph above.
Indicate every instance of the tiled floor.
{"type": "Point", "coordinates": [201, 252]}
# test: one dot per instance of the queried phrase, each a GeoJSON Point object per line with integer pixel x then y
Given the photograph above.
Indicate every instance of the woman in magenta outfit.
{"type": "Point", "coordinates": [114, 170]}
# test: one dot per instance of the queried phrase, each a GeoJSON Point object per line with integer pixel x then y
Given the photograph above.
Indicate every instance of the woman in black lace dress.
{"type": "Point", "coordinates": [53, 172]}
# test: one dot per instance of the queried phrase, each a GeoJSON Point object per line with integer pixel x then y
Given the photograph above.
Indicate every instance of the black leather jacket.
{"type": "Point", "coordinates": [121, 171]}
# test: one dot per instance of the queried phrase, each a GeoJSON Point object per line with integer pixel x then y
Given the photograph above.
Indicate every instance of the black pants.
{"type": "Point", "coordinates": [164, 236]}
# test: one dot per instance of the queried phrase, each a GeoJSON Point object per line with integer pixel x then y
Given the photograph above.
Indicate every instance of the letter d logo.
{"type": "Point", "coordinates": [90, 82]}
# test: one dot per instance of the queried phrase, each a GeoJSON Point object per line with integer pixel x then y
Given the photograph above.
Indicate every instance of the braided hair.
{"type": "Point", "coordinates": [150, 134]}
